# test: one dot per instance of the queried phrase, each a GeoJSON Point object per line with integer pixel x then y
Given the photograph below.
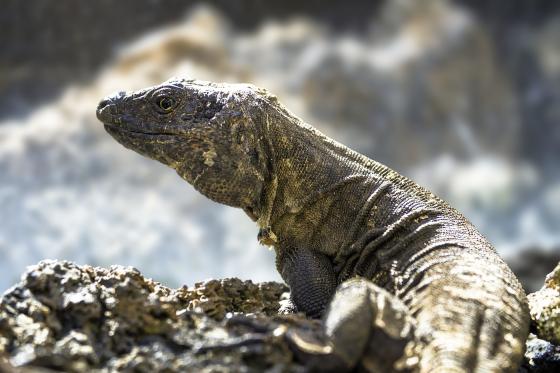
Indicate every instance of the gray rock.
{"type": "Point", "coordinates": [541, 356]}
{"type": "Point", "coordinates": [545, 308]}
{"type": "Point", "coordinates": [543, 347]}
{"type": "Point", "coordinates": [72, 318]}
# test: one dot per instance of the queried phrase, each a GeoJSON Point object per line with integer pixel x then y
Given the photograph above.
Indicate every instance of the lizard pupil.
{"type": "Point", "coordinates": [166, 103]}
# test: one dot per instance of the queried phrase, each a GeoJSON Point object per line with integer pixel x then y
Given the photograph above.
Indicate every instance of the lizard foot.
{"type": "Point", "coordinates": [313, 348]}
{"type": "Point", "coordinates": [369, 326]}
{"type": "Point", "coordinates": [304, 337]}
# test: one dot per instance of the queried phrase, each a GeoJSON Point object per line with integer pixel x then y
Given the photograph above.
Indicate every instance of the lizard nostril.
{"type": "Point", "coordinates": [102, 104]}
{"type": "Point", "coordinates": [106, 110]}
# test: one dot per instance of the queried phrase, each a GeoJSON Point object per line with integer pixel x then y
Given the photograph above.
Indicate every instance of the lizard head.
{"type": "Point", "coordinates": [201, 129]}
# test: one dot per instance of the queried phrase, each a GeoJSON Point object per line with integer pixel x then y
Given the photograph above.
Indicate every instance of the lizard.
{"type": "Point", "coordinates": [401, 279]}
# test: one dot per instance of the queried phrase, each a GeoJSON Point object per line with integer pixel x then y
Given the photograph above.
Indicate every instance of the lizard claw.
{"type": "Point", "coordinates": [287, 307]}
{"type": "Point", "coordinates": [255, 334]}
{"type": "Point", "coordinates": [248, 341]}
{"type": "Point", "coordinates": [313, 349]}
{"type": "Point", "coordinates": [253, 323]}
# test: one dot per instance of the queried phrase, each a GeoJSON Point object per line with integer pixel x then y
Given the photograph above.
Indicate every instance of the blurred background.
{"type": "Point", "coordinates": [461, 96]}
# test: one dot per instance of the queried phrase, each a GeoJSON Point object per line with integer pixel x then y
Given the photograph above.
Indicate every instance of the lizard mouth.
{"type": "Point", "coordinates": [135, 132]}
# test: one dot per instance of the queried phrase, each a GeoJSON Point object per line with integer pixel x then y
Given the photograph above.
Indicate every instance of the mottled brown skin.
{"type": "Point", "coordinates": [419, 288]}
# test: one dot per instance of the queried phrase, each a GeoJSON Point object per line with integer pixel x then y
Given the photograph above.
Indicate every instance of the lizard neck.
{"type": "Point", "coordinates": [315, 185]}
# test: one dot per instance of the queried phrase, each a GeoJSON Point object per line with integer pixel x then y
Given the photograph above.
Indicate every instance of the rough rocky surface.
{"type": "Point", "coordinates": [541, 356]}
{"type": "Point", "coordinates": [66, 317]}
{"type": "Point", "coordinates": [543, 347]}
{"type": "Point", "coordinates": [545, 308]}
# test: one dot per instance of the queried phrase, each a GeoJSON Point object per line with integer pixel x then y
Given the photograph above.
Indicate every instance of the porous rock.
{"type": "Point", "coordinates": [66, 317]}
{"type": "Point", "coordinates": [545, 308]}
{"type": "Point", "coordinates": [543, 347]}
{"type": "Point", "coordinates": [71, 318]}
{"type": "Point", "coordinates": [540, 357]}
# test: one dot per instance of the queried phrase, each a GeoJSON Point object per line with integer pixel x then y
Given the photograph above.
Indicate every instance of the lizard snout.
{"type": "Point", "coordinates": [107, 109]}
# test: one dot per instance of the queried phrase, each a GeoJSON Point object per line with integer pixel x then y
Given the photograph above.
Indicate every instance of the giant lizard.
{"type": "Point", "coordinates": [402, 280]}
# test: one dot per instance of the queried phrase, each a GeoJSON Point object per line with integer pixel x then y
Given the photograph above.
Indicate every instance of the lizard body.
{"type": "Point", "coordinates": [337, 217]}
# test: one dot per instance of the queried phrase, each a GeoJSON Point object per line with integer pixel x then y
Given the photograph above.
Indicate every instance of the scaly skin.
{"type": "Point", "coordinates": [437, 296]}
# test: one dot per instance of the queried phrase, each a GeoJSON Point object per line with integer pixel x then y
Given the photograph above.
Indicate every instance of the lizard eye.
{"type": "Point", "coordinates": [166, 104]}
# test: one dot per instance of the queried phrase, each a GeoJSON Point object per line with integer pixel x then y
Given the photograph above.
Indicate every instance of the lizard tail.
{"type": "Point", "coordinates": [471, 318]}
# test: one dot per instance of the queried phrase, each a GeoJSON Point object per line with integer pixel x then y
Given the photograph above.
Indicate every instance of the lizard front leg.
{"type": "Point", "coordinates": [363, 323]}
{"type": "Point", "coordinates": [311, 279]}
{"type": "Point", "coordinates": [364, 327]}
